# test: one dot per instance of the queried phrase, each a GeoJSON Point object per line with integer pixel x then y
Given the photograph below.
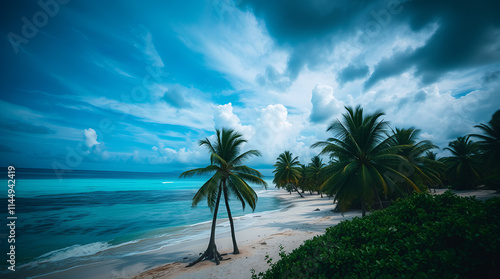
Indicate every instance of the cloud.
{"type": "Point", "coordinates": [90, 137]}
{"type": "Point", "coordinates": [311, 30]}
{"type": "Point", "coordinates": [23, 127]}
{"type": "Point", "coordinates": [324, 104]}
{"type": "Point", "coordinates": [225, 118]}
{"type": "Point", "coordinates": [352, 72]}
{"type": "Point", "coordinates": [457, 44]}
{"type": "Point", "coordinates": [182, 155]}
{"type": "Point", "coordinates": [176, 98]}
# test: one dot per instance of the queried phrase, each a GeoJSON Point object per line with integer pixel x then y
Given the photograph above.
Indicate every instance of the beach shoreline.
{"type": "Point", "coordinates": [297, 221]}
{"type": "Point", "coordinates": [290, 225]}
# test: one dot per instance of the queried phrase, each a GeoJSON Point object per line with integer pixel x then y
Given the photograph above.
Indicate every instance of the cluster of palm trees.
{"type": "Point", "coordinates": [291, 175]}
{"type": "Point", "coordinates": [371, 163]}
{"type": "Point", "coordinates": [475, 163]}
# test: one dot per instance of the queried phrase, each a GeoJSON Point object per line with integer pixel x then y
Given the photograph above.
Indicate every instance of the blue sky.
{"type": "Point", "coordinates": [134, 85]}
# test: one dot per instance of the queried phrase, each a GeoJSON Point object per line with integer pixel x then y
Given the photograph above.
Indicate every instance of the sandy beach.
{"type": "Point", "coordinates": [288, 227]}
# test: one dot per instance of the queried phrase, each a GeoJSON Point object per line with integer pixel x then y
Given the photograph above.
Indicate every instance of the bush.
{"type": "Point", "coordinates": [423, 236]}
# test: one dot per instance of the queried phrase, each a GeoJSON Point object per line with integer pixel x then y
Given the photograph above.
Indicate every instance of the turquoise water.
{"type": "Point", "coordinates": [79, 219]}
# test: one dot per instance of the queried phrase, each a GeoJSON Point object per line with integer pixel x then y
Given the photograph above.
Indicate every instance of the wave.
{"type": "Point", "coordinates": [73, 251]}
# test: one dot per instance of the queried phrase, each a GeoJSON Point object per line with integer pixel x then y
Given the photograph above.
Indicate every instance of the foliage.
{"type": "Point", "coordinates": [315, 174]}
{"type": "Point", "coordinates": [229, 176]}
{"type": "Point", "coordinates": [463, 167]}
{"type": "Point", "coordinates": [366, 160]}
{"type": "Point", "coordinates": [423, 171]}
{"type": "Point", "coordinates": [287, 172]}
{"type": "Point", "coordinates": [489, 144]}
{"type": "Point", "coordinates": [423, 236]}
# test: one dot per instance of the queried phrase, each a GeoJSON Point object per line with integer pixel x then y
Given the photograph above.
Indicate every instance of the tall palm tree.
{"type": "Point", "coordinates": [287, 172]}
{"type": "Point", "coordinates": [364, 160]}
{"type": "Point", "coordinates": [315, 173]}
{"type": "Point", "coordinates": [489, 143]}
{"type": "Point", "coordinates": [422, 171]}
{"type": "Point", "coordinates": [463, 168]}
{"type": "Point", "coordinates": [490, 139]}
{"type": "Point", "coordinates": [229, 175]}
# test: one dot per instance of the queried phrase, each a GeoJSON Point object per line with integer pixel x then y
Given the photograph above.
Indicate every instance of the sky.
{"type": "Point", "coordinates": [135, 85]}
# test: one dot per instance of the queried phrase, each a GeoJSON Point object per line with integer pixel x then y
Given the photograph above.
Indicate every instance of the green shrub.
{"type": "Point", "coordinates": [423, 236]}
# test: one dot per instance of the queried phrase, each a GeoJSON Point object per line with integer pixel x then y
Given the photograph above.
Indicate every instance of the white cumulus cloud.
{"type": "Point", "coordinates": [324, 104]}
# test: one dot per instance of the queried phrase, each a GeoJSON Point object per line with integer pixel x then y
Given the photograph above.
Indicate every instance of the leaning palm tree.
{"type": "Point", "coordinates": [229, 175]}
{"type": "Point", "coordinates": [364, 163]}
{"type": "Point", "coordinates": [315, 173]}
{"type": "Point", "coordinates": [463, 168]}
{"type": "Point", "coordinates": [287, 172]}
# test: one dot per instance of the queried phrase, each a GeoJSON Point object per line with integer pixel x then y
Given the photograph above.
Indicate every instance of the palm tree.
{"type": "Point", "coordinates": [364, 160]}
{"type": "Point", "coordinates": [490, 139]}
{"type": "Point", "coordinates": [432, 162]}
{"type": "Point", "coordinates": [421, 170]}
{"type": "Point", "coordinates": [304, 182]}
{"type": "Point", "coordinates": [287, 172]}
{"type": "Point", "coordinates": [463, 166]}
{"type": "Point", "coordinates": [489, 143]}
{"type": "Point", "coordinates": [229, 175]}
{"type": "Point", "coordinates": [315, 173]}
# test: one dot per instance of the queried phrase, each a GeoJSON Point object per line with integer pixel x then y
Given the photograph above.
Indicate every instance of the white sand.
{"type": "Point", "coordinates": [288, 227]}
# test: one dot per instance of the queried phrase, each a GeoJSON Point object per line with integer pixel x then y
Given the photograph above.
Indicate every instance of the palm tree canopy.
{"type": "Point", "coordinates": [422, 169]}
{"type": "Point", "coordinates": [287, 170]}
{"type": "Point", "coordinates": [463, 168]}
{"type": "Point", "coordinates": [365, 160]}
{"type": "Point", "coordinates": [489, 141]}
{"type": "Point", "coordinates": [226, 166]}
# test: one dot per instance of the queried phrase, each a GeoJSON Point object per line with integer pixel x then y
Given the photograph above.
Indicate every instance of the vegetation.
{"type": "Point", "coordinates": [366, 162]}
{"type": "Point", "coordinates": [287, 173]}
{"type": "Point", "coordinates": [463, 166]}
{"type": "Point", "coordinates": [229, 176]}
{"type": "Point", "coordinates": [315, 172]}
{"type": "Point", "coordinates": [489, 143]}
{"type": "Point", "coordinates": [423, 236]}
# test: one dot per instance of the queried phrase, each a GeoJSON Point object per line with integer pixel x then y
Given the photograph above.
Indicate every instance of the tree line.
{"type": "Point", "coordinates": [370, 164]}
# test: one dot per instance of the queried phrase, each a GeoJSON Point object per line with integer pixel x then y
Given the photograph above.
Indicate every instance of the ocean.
{"type": "Point", "coordinates": [88, 216]}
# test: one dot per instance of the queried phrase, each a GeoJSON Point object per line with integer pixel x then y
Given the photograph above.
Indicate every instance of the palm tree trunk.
{"type": "Point", "coordinates": [233, 236]}
{"type": "Point", "coordinates": [211, 252]}
{"type": "Point", "coordinates": [297, 190]}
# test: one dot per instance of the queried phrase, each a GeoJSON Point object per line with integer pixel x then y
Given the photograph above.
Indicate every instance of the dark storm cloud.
{"type": "Point", "coordinates": [352, 72]}
{"type": "Point", "coordinates": [467, 34]}
{"type": "Point", "coordinates": [23, 127]}
{"type": "Point", "coordinates": [305, 27]}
